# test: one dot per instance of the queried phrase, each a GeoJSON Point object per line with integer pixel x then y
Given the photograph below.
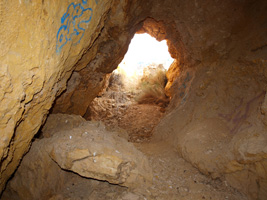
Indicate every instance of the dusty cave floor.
{"type": "Point", "coordinates": [173, 179]}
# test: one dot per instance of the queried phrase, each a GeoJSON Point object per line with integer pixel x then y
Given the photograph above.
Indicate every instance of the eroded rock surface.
{"type": "Point", "coordinates": [93, 152]}
{"type": "Point", "coordinates": [88, 150]}
{"type": "Point", "coordinates": [39, 50]}
{"type": "Point", "coordinates": [217, 124]}
{"type": "Point", "coordinates": [217, 42]}
{"type": "Point", "coordinates": [60, 122]}
{"type": "Point", "coordinates": [82, 88]}
{"type": "Point", "coordinates": [40, 177]}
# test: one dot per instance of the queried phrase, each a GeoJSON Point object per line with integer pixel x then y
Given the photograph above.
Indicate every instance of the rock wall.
{"type": "Point", "coordinates": [79, 146]}
{"type": "Point", "coordinates": [217, 124]}
{"type": "Point", "coordinates": [42, 42]}
{"type": "Point", "coordinates": [216, 117]}
{"type": "Point", "coordinates": [80, 92]}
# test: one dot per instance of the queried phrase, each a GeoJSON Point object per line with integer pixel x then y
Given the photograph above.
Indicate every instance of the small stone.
{"type": "Point", "coordinates": [183, 191]}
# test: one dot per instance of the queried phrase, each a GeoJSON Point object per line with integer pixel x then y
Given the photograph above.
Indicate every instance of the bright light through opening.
{"type": "Point", "coordinates": [144, 51]}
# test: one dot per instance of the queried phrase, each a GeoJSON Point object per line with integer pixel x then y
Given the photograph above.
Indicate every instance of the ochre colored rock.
{"type": "Point", "coordinates": [82, 88]}
{"type": "Point", "coordinates": [37, 57]}
{"type": "Point", "coordinates": [172, 74]}
{"type": "Point", "coordinates": [60, 122]}
{"type": "Point", "coordinates": [93, 152]}
{"type": "Point", "coordinates": [222, 45]}
{"type": "Point", "coordinates": [87, 149]}
{"type": "Point", "coordinates": [216, 125]}
{"type": "Point", "coordinates": [38, 176]}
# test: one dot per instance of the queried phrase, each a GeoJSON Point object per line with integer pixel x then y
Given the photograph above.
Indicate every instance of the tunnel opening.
{"type": "Point", "coordinates": [130, 103]}
{"type": "Point", "coordinates": [144, 67]}
{"type": "Point", "coordinates": [197, 126]}
{"type": "Point", "coordinates": [135, 98]}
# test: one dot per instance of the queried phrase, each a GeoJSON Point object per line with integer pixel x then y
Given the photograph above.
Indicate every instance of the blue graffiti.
{"type": "Point", "coordinates": [73, 24]}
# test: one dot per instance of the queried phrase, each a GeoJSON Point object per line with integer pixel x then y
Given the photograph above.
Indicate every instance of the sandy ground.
{"type": "Point", "coordinates": [173, 179]}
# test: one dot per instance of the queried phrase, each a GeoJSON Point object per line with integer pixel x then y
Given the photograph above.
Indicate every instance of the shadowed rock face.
{"type": "Point", "coordinates": [217, 124]}
{"type": "Point", "coordinates": [85, 148]}
{"type": "Point", "coordinates": [88, 149]}
{"type": "Point", "coordinates": [219, 47]}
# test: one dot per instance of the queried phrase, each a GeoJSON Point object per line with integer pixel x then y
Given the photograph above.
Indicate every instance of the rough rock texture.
{"type": "Point", "coordinates": [217, 125]}
{"type": "Point", "coordinates": [218, 41]}
{"type": "Point", "coordinates": [80, 92]}
{"type": "Point", "coordinates": [33, 180]}
{"type": "Point", "coordinates": [139, 121]}
{"type": "Point", "coordinates": [39, 177]}
{"type": "Point", "coordinates": [93, 152]}
{"type": "Point", "coordinates": [88, 150]}
{"type": "Point", "coordinates": [60, 122]}
{"type": "Point", "coordinates": [172, 74]}
{"type": "Point", "coordinates": [39, 50]}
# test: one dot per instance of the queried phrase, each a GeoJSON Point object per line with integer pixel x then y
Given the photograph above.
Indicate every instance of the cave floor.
{"type": "Point", "coordinates": [173, 179]}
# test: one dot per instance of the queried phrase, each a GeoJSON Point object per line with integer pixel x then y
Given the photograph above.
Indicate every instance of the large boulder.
{"type": "Point", "coordinates": [216, 123]}
{"type": "Point", "coordinates": [88, 149]}
{"type": "Point", "coordinates": [93, 152]}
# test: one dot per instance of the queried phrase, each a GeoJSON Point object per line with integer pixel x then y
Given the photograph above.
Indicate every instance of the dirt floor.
{"type": "Point", "coordinates": [173, 177]}
{"type": "Point", "coordinates": [176, 179]}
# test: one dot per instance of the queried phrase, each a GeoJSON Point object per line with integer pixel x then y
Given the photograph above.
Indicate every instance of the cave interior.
{"type": "Point", "coordinates": [75, 126]}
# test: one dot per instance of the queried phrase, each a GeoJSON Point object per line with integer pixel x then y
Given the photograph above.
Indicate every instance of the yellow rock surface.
{"type": "Point", "coordinates": [38, 51]}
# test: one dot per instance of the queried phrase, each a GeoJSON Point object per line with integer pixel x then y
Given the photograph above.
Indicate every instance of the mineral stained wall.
{"type": "Point", "coordinates": [218, 92]}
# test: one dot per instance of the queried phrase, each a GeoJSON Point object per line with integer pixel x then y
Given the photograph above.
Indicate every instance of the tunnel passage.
{"type": "Point", "coordinates": [216, 119]}
{"type": "Point", "coordinates": [135, 98]}
{"type": "Point", "coordinates": [151, 84]}
{"type": "Point", "coordinates": [85, 84]}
